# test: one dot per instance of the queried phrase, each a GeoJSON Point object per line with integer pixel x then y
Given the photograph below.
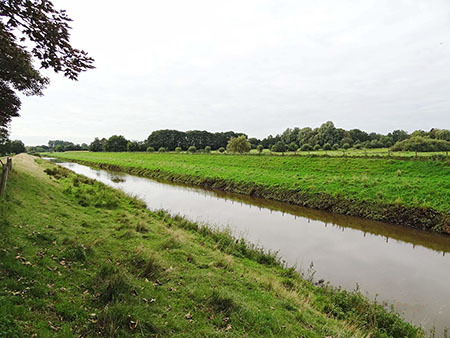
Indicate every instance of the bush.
{"type": "Point", "coordinates": [150, 150]}
{"type": "Point", "coordinates": [306, 147]}
{"type": "Point", "coordinates": [162, 150]}
{"type": "Point", "coordinates": [346, 146]}
{"type": "Point", "coordinates": [238, 145]}
{"type": "Point", "coordinates": [293, 146]}
{"type": "Point", "coordinates": [260, 148]}
{"type": "Point", "coordinates": [279, 147]}
{"type": "Point", "coordinates": [335, 146]}
{"type": "Point", "coordinates": [192, 149]}
{"type": "Point", "coordinates": [178, 149]}
{"type": "Point", "coordinates": [422, 144]}
{"type": "Point", "coordinates": [317, 147]}
{"type": "Point", "coordinates": [207, 149]}
{"type": "Point", "coordinates": [326, 146]}
{"type": "Point", "coordinates": [221, 150]}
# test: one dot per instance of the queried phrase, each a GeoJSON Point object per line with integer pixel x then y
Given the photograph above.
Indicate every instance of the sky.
{"type": "Point", "coordinates": [253, 66]}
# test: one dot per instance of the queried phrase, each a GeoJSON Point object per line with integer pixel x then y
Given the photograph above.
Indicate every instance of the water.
{"type": "Point", "coordinates": [408, 268]}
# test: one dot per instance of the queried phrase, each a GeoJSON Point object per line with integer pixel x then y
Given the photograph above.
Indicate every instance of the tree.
{"type": "Point", "coordinates": [116, 143]}
{"type": "Point", "coordinates": [97, 145]}
{"type": "Point", "coordinates": [293, 146]}
{"type": "Point", "coordinates": [59, 148]}
{"type": "Point", "coordinates": [133, 146]}
{"type": "Point", "coordinates": [238, 145]}
{"type": "Point", "coordinates": [17, 147]}
{"type": "Point", "coordinates": [279, 147]}
{"type": "Point", "coordinates": [260, 148]}
{"type": "Point", "coordinates": [34, 23]}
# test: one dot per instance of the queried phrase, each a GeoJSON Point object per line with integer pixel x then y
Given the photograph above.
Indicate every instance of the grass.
{"type": "Point", "coordinates": [415, 193]}
{"type": "Point", "coordinates": [73, 265]}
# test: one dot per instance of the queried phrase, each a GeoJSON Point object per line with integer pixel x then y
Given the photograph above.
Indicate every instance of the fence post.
{"type": "Point", "coordinates": [4, 179]}
{"type": "Point", "coordinates": [9, 163]}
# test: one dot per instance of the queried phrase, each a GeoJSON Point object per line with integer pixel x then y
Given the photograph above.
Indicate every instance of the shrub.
{"type": "Point", "coordinates": [192, 149]}
{"type": "Point", "coordinates": [178, 149]}
{"type": "Point", "coordinates": [317, 147]}
{"type": "Point", "coordinates": [293, 146]}
{"type": "Point", "coordinates": [207, 149]}
{"type": "Point", "coordinates": [346, 146]}
{"type": "Point", "coordinates": [279, 147]}
{"type": "Point", "coordinates": [221, 150]}
{"type": "Point", "coordinates": [238, 145]}
{"type": "Point", "coordinates": [150, 150]}
{"type": "Point", "coordinates": [306, 147]}
{"type": "Point", "coordinates": [260, 148]}
{"type": "Point", "coordinates": [326, 146]}
{"type": "Point", "coordinates": [162, 150]}
{"type": "Point", "coordinates": [335, 146]}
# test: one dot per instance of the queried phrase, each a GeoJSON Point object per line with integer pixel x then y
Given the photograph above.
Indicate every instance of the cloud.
{"type": "Point", "coordinates": [252, 66]}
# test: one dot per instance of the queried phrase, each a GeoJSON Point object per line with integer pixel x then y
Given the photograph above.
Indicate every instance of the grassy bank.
{"type": "Point", "coordinates": [79, 258]}
{"type": "Point", "coordinates": [408, 192]}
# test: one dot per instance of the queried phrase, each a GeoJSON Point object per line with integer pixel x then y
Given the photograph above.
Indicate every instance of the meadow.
{"type": "Point", "coordinates": [79, 258]}
{"type": "Point", "coordinates": [410, 192]}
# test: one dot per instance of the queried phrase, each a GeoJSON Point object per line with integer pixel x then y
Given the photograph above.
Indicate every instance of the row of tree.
{"type": "Point", "coordinates": [326, 137]}
{"type": "Point", "coordinates": [12, 147]}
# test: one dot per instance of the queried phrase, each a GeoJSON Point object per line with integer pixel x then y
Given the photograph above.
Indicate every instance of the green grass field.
{"type": "Point", "coordinates": [79, 258]}
{"type": "Point", "coordinates": [409, 183]}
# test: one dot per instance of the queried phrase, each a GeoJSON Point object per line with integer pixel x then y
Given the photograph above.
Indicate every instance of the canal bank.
{"type": "Point", "coordinates": [407, 267]}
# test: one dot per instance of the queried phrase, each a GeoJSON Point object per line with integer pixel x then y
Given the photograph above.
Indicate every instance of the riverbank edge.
{"type": "Point", "coordinates": [342, 305]}
{"type": "Point", "coordinates": [415, 217]}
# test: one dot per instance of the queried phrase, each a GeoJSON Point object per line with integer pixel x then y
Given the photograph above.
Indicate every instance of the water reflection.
{"type": "Point", "coordinates": [404, 266]}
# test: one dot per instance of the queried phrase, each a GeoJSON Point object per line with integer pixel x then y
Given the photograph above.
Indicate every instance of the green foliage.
{"type": "Point", "coordinates": [221, 150]}
{"type": "Point", "coordinates": [327, 146]}
{"type": "Point", "coordinates": [150, 150]}
{"type": "Point", "coordinates": [192, 149]}
{"type": "Point", "coordinates": [422, 144]}
{"type": "Point", "coordinates": [316, 147]}
{"type": "Point", "coordinates": [33, 32]}
{"type": "Point", "coordinates": [346, 146]}
{"type": "Point", "coordinates": [162, 150]}
{"type": "Point", "coordinates": [97, 145]}
{"type": "Point", "coordinates": [279, 147]}
{"type": "Point", "coordinates": [293, 146]}
{"type": "Point", "coordinates": [178, 149]}
{"type": "Point", "coordinates": [260, 148]}
{"type": "Point", "coordinates": [238, 145]}
{"type": "Point", "coordinates": [116, 143]}
{"type": "Point", "coordinates": [306, 147]}
{"type": "Point", "coordinates": [207, 149]}
{"type": "Point", "coordinates": [335, 146]}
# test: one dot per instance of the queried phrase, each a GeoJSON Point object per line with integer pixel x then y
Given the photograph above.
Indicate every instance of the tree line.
{"type": "Point", "coordinates": [326, 137]}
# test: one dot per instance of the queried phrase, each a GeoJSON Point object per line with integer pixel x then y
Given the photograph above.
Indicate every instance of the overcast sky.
{"type": "Point", "coordinates": [252, 66]}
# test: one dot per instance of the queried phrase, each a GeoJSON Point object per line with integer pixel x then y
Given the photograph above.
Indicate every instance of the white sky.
{"type": "Point", "coordinates": [255, 66]}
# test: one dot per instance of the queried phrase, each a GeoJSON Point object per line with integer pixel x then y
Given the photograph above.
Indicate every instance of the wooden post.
{"type": "Point", "coordinates": [9, 163]}
{"type": "Point", "coordinates": [4, 179]}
